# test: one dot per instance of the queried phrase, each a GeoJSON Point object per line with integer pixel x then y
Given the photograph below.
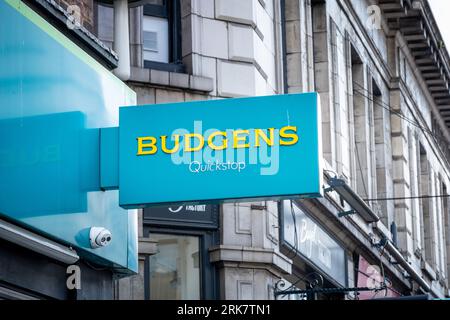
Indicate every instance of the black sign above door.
{"type": "Point", "coordinates": [201, 216]}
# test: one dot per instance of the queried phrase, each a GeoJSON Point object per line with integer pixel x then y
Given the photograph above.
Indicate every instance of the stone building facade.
{"type": "Point", "coordinates": [384, 131]}
{"type": "Point", "coordinates": [382, 74]}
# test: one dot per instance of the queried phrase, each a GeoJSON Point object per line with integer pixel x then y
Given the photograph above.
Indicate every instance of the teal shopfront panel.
{"type": "Point", "coordinates": [53, 100]}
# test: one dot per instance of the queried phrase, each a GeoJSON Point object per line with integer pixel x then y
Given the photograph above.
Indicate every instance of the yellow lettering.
{"type": "Point", "coordinates": [224, 140]}
{"type": "Point", "coordinates": [195, 142]}
{"type": "Point", "coordinates": [292, 136]}
{"type": "Point", "coordinates": [146, 142]}
{"type": "Point", "coordinates": [237, 139]}
{"type": "Point", "coordinates": [187, 142]}
{"type": "Point", "coordinates": [261, 133]}
{"type": "Point", "coordinates": [175, 147]}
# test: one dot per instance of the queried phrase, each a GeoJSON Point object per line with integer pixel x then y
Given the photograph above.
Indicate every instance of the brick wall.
{"type": "Point", "coordinates": [86, 11]}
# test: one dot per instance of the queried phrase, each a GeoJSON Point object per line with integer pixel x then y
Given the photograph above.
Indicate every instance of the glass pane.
{"type": "Point", "coordinates": [175, 269]}
{"type": "Point", "coordinates": [309, 239]}
{"type": "Point", "coordinates": [156, 39]}
{"type": "Point", "coordinates": [150, 41]}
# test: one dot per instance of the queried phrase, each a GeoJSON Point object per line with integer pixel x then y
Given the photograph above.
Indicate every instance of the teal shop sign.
{"type": "Point", "coordinates": [218, 150]}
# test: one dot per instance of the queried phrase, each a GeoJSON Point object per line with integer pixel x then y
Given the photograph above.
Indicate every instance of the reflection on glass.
{"type": "Point", "coordinates": [309, 239]}
{"type": "Point", "coordinates": [157, 2]}
{"type": "Point", "coordinates": [175, 270]}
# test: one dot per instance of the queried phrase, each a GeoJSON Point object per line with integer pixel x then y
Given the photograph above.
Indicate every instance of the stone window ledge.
{"type": "Point", "coordinates": [238, 254]}
{"type": "Point", "coordinates": [428, 270]}
{"type": "Point", "coordinates": [147, 246]}
{"type": "Point", "coordinates": [171, 79]}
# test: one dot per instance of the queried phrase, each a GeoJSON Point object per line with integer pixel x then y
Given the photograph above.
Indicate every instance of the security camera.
{"type": "Point", "coordinates": [99, 237]}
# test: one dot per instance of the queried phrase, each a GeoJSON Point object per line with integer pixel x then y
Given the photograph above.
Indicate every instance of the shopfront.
{"type": "Point", "coordinates": [319, 259]}
{"type": "Point", "coordinates": [181, 269]}
{"type": "Point", "coordinates": [372, 275]}
{"type": "Point", "coordinates": [54, 97]}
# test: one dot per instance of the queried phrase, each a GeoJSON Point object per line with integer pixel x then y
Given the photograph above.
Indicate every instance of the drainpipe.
{"type": "Point", "coordinates": [122, 39]}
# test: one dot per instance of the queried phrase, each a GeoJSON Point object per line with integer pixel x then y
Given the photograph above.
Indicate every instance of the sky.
{"type": "Point", "coordinates": [441, 9]}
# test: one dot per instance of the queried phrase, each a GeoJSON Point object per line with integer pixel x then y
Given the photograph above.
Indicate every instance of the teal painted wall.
{"type": "Point", "coordinates": [53, 100]}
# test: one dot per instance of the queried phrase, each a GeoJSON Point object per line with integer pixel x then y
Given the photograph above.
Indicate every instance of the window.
{"type": "Point", "coordinates": [161, 35]}
{"type": "Point", "coordinates": [174, 272]}
{"type": "Point", "coordinates": [155, 39]}
{"type": "Point", "coordinates": [151, 45]}
{"type": "Point", "coordinates": [415, 191]}
{"type": "Point", "coordinates": [446, 234]}
{"type": "Point", "coordinates": [105, 24]}
{"type": "Point", "coordinates": [340, 101]}
{"type": "Point", "coordinates": [361, 118]}
{"type": "Point", "coordinates": [321, 81]}
{"type": "Point", "coordinates": [181, 269]}
{"type": "Point", "coordinates": [380, 149]}
{"type": "Point", "coordinates": [427, 206]}
{"type": "Point", "coordinates": [443, 209]}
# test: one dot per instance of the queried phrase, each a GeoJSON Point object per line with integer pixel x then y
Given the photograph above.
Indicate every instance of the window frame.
{"type": "Point", "coordinates": [209, 289]}
{"type": "Point", "coordinates": [172, 12]}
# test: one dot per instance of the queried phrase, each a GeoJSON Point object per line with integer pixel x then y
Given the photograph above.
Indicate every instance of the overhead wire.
{"type": "Point", "coordinates": [414, 122]}
{"type": "Point", "coordinates": [383, 284]}
{"type": "Point", "coordinates": [409, 198]}
{"type": "Point", "coordinates": [404, 117]}
{"type": "Point", "coordinates": [393, 111]}
{"type": "Point", "coordinates": [360, 169]}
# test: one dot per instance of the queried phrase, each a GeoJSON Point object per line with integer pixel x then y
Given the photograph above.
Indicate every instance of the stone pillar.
{"type": "Point", "coordinates": [248, 257]}
{"type": "Point", "coordinates": [136, 41]}
{"type": "Point", "coordinates": [401, 176]}
{"type": "Point", "coordinates": [383, 159]}
{"type": "Point", "coordinates": [392, 55]}
{"type": "Point", "coordinates": [322, 82]}
{"type": "Point", "coordinates": [122, 39]}
{"type": "Point", "coordinates": [361, 114]}
{"type": "Point", "coordinates": [299, 51]}
{"type": "Point", "coordinates": [229, 37]}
